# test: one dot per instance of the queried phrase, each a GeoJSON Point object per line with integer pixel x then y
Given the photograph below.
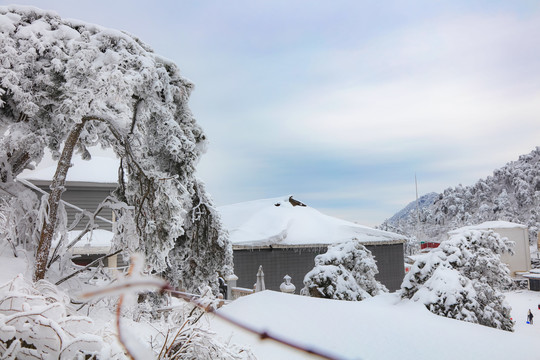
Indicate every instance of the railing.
{"type": "Point", "coordinates": [238, 292]}
{"type": "Point", "coordinates": [234, 292]}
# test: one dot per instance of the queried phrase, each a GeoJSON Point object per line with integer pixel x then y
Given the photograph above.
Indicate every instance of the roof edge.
{"type": "Point", "coordinates": [306, 246]}
{"type": "Point", "coordinates": [87, 184]}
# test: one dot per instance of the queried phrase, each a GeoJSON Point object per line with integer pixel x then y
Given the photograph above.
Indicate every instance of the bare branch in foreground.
{"type": "Point", "coordinates": [263, 335]}
{"type": "Point", "coordinates": [139, 283]}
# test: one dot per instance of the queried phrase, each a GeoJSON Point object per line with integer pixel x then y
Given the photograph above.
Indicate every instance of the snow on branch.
{"type": "Point", "coordinates": [39, 325]}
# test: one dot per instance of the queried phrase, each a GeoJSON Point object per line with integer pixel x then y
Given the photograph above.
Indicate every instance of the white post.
{"type": "Point", "coordinates": [259, 286]}
{"type": "Point", "coordinates": [112, 262]}
{"type": "Point", "coordinates": [286, 286]}
{"type": "Point", "coordinates": [231, 282]}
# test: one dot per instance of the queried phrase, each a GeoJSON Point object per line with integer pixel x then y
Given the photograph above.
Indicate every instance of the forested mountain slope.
{"type": "Point", "coordinates": [512, 193]}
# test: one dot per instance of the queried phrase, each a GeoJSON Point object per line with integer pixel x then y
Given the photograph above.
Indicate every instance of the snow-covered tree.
{"type": "Point", "coordinates": [67, 85]}
{"type": "Point", "coordinates": [345, 272]}
{"type": "Point", "coordinates": [463, 279]}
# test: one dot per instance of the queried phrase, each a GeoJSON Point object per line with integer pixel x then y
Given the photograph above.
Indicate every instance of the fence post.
{"type": "Point", "coordinates": [286, 286]}
{"type": "Point", "coordinates": [259, 285]}
{"type": "Point", "coordinates": [231, 282]}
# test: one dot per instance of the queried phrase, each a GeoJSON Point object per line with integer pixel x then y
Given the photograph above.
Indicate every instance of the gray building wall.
{"type": "Point", "coordinates": [297, 263]}
{"type": "Point", "coordinates": [391, 264]}
{"type": "Point", "coordinates": [87, 198]}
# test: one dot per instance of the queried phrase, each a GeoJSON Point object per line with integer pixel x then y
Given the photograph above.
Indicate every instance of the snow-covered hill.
{"type": "Point", "coordinates": [410, 210]}
{"type": "Point", "coordinates": [512, 193]}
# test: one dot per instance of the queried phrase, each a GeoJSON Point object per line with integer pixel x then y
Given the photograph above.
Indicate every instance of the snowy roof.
{"type": "Point", "coordinates": [413, 258]}
{"type": "Point", "coordinates": [95, 238]}
{"type": "Point", "coordinates": [98, 241]}
{"type": "Point", "coordinates": [489, 225]}
{"type": "Point", "coordinates": [101, 170]}
{"type": "Point", "coordinates": [277, 222]}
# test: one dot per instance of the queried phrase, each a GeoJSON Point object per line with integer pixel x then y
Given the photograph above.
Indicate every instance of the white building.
{"type": "Point", "coordinates": [519, 234]}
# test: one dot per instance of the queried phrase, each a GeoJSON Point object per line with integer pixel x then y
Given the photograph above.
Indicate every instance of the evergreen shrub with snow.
{"type": "Point", "coordinates": [464, 279]}
{"type": "Point", "coordinates": [67, 85]}
{"type": "Point", "coordinates": [345, 272]}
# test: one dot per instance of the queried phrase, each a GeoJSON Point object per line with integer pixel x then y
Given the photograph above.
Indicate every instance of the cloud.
{"type": "Point", "coordinates": [342, 102]}
{"type": "Point", "coordinates": [425, 82]}
{"type": "Point", "coordinates": [451, 98]}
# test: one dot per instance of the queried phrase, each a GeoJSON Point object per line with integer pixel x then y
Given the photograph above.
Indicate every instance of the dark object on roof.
{"type": "Point", "coordinates": [295, 202]}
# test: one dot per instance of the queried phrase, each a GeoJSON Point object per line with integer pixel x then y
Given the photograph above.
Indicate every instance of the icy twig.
{"type": "Point", "coordinates": [173, 340]}
{"type": "Point", "coordinates": [87, 266]}
{"type": "Point", "coordinates": [135, 285]}
{"type": "Point", "coordinates": [133, 282]}
{"type": "Point", "coordinates": [164, 344]}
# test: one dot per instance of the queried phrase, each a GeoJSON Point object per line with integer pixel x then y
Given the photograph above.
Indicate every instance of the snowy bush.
{"type": "Point", "coordinates": [36, 322]}
{"type": "Point", "coordinates": [463, 279]}
{"type": "Point", "coordinates": [345, 272]}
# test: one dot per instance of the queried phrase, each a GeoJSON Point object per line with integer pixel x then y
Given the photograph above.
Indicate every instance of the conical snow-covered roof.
{"type": "Point", "coordinates": [277, 222]}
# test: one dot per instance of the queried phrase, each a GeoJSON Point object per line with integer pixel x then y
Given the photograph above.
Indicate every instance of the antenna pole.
{"type": "Point", "coordinates": [417, 210]}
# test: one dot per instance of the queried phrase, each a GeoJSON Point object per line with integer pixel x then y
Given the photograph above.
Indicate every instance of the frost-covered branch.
{"type": "Point", "coordinates": [90, 226]}
{"type": "Point", "coordinates": [88, 266]}
{"type": "Point", "coordinates": [35, 324]}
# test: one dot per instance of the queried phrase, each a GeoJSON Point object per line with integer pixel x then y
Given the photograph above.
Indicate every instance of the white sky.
{"type": "Point", "coordinates": [340, 103]}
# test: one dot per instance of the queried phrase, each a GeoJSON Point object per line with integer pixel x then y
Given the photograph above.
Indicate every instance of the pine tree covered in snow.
{"type": "Point", "coordinates": [463, 279]}
{"type": "Point", "coordinates": [345, 272]}
{"type": "Point", "coordinates": [67, 85]}
{"type": "Point", "coordinates": [512, 193]}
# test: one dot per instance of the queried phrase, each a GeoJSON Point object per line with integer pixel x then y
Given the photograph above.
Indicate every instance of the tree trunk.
{"type": "Point", "coordinates": [57, 188]}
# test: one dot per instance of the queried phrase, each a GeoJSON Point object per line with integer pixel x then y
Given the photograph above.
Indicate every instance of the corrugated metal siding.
{"type": "Point", "coordinates": [86, 198]}
{"type": "Point", "coordinates": [276, 264]}
{"type": "Point", "coordinates": [391, 264]}
{"type": "Point", "coordinates": [297, 263]}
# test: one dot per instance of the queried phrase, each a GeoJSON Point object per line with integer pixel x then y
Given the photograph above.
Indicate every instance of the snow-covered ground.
{"type": "Point", "coordinates": [382, 327]}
